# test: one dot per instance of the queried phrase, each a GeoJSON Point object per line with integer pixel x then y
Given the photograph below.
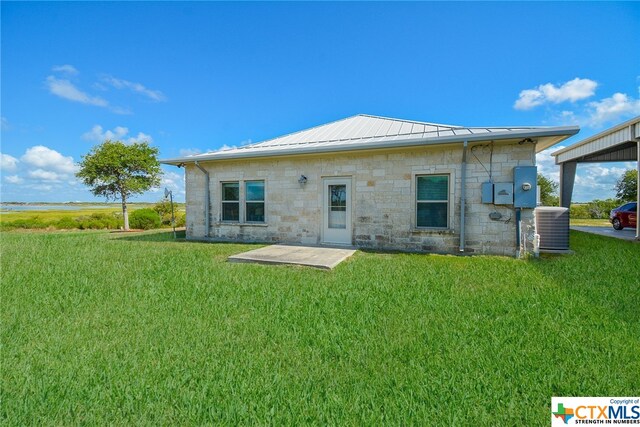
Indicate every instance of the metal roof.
{"type": "Point", "coordinates": [369, 132]}
{"type": "Point", "coordinates": [615, 144]}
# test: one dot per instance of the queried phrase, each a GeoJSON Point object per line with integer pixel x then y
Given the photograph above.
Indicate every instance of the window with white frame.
{"type": "Point", "coordinates": [432, 201]}
{"type": "Point", "coordinates": [231, 201]}
{"type": "Point", "coordinates": [254, 201]}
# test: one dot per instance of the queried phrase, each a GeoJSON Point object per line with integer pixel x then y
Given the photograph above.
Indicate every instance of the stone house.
{"type": "Point", "coordinates": [373, 182]}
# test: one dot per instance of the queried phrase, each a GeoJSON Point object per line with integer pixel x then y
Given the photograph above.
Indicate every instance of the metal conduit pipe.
{"type": "Point", "coordinates": [463, 193]}
{"type": "Point", "coordinates": [518, 231]}
{"type": "Point", "coordinates": [207, 201]}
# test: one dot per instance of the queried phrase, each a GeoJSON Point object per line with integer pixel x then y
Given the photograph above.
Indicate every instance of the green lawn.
{"type": "Point", "coordinates": [104, 328]}
{"type": "Point", "coordinates": [590, 222]}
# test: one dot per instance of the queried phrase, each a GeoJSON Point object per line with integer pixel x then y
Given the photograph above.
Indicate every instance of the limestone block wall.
{"type": "Point", "coordinates": [383, 198]}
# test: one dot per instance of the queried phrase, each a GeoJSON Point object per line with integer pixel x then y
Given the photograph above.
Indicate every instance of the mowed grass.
{"type": "Point", "coordinates": [590, 222]}
{"type": "Point", "coordinates": [100, 328]}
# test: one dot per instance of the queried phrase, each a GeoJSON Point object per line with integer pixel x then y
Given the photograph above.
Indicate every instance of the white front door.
{"type": "Point", "coordinates": [336, 207]}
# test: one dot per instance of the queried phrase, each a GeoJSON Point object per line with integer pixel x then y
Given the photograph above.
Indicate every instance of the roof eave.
{"type": "Point", "coordinates": [597, 136]}
{"type": "Point", "coordinates": [560, 133]}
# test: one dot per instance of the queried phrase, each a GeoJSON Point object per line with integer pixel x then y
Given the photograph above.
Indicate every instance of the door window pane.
{"type": "Point", "coordinates": [337, 206]}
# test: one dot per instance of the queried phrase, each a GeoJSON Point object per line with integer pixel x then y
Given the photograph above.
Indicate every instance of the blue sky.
{"type": "Point", "coordinates": [193, 77]}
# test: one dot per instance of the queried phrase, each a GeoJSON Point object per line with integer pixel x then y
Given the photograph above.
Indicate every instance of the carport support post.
{"type": "Point", "coordinates": [567, 177]}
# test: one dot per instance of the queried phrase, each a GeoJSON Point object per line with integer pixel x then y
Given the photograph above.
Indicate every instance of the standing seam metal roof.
{"type": "Point", "coordinates": [363, 126]}
{"type": "Point", "coordinates": [359, 132]}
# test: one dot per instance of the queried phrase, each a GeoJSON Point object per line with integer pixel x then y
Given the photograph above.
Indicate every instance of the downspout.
{"type": "Point", "coordinates": [463, 193]}
{"type": "Point", "coordinates": [207, 201]}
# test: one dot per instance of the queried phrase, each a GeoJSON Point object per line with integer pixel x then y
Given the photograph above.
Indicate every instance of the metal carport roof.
{"type": "Point", "coordinates": [620, 143]}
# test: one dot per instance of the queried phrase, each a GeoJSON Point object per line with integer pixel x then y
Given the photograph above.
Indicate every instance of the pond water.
{"type": "Point", "coordinates": [22, 208]}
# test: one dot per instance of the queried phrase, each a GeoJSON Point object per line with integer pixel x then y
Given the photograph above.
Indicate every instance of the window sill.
{"type": "Point", "coordinates": [243, 224]}
{"type": "Point", "coordinates": [432, 231]}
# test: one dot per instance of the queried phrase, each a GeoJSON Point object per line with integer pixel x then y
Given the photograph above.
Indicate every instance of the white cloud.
{"type": "Point", "coordinates": [98, 134]}
{"type": "Point", "coordinates": [173, 181]}
{"type": "Point", "coordinates": [547, 163]}
{"type": "Point", "coordinates": [567, 118]}
{"type": "Point", "coordinates": [40, 170]}
{"type": "Point", "coordinates": [141, 137]}
{"type": "Point", "coordinates": [154, 95]}
{"type": "Point", "coordinates": [528, 99]}
{"type": "Point", "coordinates": [8, 163]}
{"type": "Point", "coordinates": [597, 181]}
{"type": "Point", "coordinates": [597, 114]}
{"type": "Point", "coordinates": [45, 175]}
{"type": "Point", "coordinates": [612, 109]}
{"type": "Point", "coordinates": [45, 158]}
{"type": "Point", "coordinates": [121, 110]}
{"type": "Point", "coordinates": [65, 89]}
{"type": "Point", "coordinates": [4, 123]}
{"type": "Point", "coordinates": [572, 91]}
{"type": "Point", "coordinates": [13, 179]}
{"type": "Point", "coordinates": [65, 69]}
{"type": "Point", "coordinates": [40, 187]}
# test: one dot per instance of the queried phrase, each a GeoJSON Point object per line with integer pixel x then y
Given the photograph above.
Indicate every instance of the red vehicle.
{"type": "Point", "coordinates": [624, 216]}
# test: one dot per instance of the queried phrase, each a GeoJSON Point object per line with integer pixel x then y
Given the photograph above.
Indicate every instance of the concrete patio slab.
{"type": "Point", "coordinates": [311, 256]}
{"type": "Point", "coordinates": [624, 234]}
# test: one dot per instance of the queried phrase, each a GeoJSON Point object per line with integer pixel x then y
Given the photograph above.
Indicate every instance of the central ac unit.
{"type": "Point", "coordinates": [552, 224]}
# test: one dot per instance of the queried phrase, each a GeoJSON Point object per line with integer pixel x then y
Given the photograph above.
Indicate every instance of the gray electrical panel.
{"type": "Point", "coordinates": [487, 192]}
{"type": "Point", "coordinates": [503, 193]}
{"type": "Point", "coordinates": [525, 192]}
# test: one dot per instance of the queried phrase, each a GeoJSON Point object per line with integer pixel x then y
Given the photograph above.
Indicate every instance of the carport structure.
{"type": "Point", "coordinates": [617, 144]}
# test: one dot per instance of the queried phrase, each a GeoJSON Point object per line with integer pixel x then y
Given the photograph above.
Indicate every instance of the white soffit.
{"type": "Point", "coordinates": [619, 135]}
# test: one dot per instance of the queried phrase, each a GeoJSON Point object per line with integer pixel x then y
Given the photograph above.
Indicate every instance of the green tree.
{"type": "Point", "coordinates": [627, 186]}
{"type": "Point", "coordinates": [163, 207]}
{"type": "Point", "coordinates": [116, 170]}
{"type": "Point", "coordinates": [548, 191]}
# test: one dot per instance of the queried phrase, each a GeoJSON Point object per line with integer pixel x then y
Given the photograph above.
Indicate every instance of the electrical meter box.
{"type": "Point", "coordinates": [487, 192]}
{"type": "Point", "coordinates": [525, 187]}
{"type": "Point", "coordinates": [503, 193]}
